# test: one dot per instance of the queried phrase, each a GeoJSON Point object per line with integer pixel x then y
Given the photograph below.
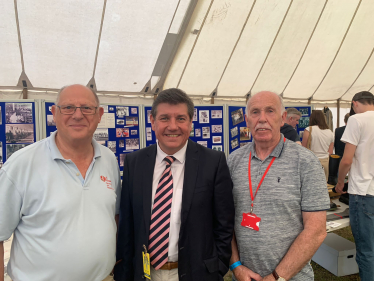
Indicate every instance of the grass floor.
{"type": "Point", "coordinates": [321, 274]}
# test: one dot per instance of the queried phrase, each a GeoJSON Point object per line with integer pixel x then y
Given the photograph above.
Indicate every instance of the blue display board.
{"type": "Point", "coordinates": [239, 134]}
{"type": "Point", "coordinates": [305, 111]}
{"type": "Point", "coordinates": [17, 127]}
{"type": "Point", "coordinates": [208, 127]}
{"type": "Point", "coordinates": [118, 129]}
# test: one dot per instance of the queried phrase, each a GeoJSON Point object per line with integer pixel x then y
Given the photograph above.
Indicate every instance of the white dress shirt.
{"type": "Point", "coordinates": [177, 170]}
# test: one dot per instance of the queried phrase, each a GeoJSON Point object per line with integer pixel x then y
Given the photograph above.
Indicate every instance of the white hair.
{"type": "Point", "coordinates": [283, 109]}
{"type": "Point", "coordinates": [63, 88]}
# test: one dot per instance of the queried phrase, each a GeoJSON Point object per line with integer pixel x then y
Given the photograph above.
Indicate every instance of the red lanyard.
{"type": "Point", "coordinates": [262, 179]}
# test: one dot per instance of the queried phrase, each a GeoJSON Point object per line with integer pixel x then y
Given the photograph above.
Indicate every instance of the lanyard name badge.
{"type": "Point", "coordinates": [250, 220]}
{"type": "Point", "coordinates": [146, 264]}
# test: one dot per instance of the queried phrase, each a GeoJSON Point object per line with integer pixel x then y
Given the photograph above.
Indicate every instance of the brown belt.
{"type": "Point", "coordinates": [169, 266]}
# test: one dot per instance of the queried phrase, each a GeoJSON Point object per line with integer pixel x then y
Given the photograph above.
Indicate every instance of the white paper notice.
{"type": "Point", "coordinates": [107, 121]}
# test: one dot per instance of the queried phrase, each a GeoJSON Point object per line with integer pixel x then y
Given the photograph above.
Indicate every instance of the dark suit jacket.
{"type": "Point", "coordinates": [339, 145]}
{"type": "Point", "coordinates": [207, 215]}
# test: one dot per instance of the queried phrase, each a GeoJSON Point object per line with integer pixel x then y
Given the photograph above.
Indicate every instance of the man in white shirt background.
{"type": "Point", "coordinates": [358, 160]}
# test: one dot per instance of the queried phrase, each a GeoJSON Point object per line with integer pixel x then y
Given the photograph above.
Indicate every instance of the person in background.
{"type": "Point", "coordinates": [176, 203]}
{"type": "Point", "coordinates": [291, 118]}
{"type": "Point", "coordinates": [322, 143]}
{"type": "Point", "coordinates": [338, 144]}
{"type": "Point", "coordinates": [280, 200]}
{"type": "Point", "coordinates": [61, 202]}
{"type": "Point", "coordinates": [358, 160]}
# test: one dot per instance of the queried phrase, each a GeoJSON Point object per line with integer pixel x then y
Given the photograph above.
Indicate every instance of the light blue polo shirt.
{"type": "Point", "coordinates": [63, 224]}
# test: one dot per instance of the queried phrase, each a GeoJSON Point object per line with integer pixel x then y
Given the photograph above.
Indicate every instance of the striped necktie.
{"type": "Point", "coordinates": [158, 246]}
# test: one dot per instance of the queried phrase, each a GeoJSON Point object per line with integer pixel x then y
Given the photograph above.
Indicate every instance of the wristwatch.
{"type": "Point", "coordinates": [277, 277]}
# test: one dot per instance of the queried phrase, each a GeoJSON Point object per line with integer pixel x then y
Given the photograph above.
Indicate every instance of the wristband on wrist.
{"type": "Point", "coordinates": [235, 265]}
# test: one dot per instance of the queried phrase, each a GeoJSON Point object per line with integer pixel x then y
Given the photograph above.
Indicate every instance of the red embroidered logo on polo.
{"type": "Point", "coordinates": [107, 182]}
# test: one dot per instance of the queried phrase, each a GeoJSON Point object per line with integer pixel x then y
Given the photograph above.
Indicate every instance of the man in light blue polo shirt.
{"type": "Point", "coordinates": [59, 198]}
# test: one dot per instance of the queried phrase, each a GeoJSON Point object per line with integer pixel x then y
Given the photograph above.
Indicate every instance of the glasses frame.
{"type": "Point", "coordinates": [76, 107]}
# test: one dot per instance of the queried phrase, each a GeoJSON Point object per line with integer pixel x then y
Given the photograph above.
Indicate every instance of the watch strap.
{"type": "Point", "coordinates": [275, 274]}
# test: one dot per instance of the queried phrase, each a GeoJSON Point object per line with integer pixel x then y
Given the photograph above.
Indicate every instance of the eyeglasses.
{"type": "Point", "coordinates": [70, 109]}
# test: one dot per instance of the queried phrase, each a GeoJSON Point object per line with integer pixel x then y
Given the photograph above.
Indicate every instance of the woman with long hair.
{"type": "Point", "coordinates": [322, 139]}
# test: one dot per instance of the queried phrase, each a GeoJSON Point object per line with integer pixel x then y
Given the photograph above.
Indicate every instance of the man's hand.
{"type": "Point", "coordinates": [269, 277]}
{"type": "Point", "coordinates": [339, 188]}
{"type": "Point", "coordinates": [243, 273]}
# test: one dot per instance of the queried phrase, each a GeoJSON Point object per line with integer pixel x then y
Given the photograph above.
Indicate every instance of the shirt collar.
{"type": "Point", "coordinates": [180, 155]}
{"type": "Point", "coordinates": [276, 151]}
{"type": "Point", "coordinates": [56, 154]}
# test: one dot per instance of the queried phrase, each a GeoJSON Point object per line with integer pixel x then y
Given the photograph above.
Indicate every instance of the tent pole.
{"type": "Point", "coordinates": [338, 113]}
{"type": "Point", "coordinates": [24, 93]}
{"type": "Point", "coordinates": [212, 100]}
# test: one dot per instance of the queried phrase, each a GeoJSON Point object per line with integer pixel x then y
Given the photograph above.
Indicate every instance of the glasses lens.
{"type": "Point", "coordinates": [67, 109]}
{"type": "Point", "coordinates": [88, 110]}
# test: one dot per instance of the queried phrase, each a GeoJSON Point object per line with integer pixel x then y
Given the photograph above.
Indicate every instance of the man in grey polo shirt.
{"type": "Point", "coordinates": [280, 226]}
{"type": "Point", "coordinates": [59, 198]}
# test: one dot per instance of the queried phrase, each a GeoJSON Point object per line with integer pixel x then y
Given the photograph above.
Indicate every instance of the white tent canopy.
{"type": "Point", "coordinates": [319, 50]}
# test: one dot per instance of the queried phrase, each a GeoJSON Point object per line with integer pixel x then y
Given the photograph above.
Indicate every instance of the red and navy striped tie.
{"type": "Point", "coordinates": [158, 247]}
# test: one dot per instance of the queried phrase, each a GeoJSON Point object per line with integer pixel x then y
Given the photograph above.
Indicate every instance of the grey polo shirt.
{"type": "Point", "coordinates": [294, 184]}
{"type": "Point", "coordinates": [63, 224]}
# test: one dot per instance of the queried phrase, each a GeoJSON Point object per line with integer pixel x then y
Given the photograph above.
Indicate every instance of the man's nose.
{"type": "Point", "coordinates": [78, 113]}
{"type": "Point", "coordinates": [172, 124]}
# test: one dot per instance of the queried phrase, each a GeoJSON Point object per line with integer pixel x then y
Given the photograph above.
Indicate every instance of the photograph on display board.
{"type": "Point", "coordinates": [122, 132]}
{"type": "Point", "coordinates": [245, 134]}
{"type": "Point", "coordinates": [50, 108]}
{"type": "Point", "coordinates": [216, 128]}
{"type": "Point", "coordinates": [234, 143]}
{"type": "Point", "coordinates": [203, 143]}
{"type": "Point", "coordinates": [216, 114]}
{"type": "Point", "coordinates": [134, 110]}
{"type": "Point", "coordinates": [1, 151]}
{"type": "Point", "coordinates": [148, 116]}
{"type": "Point", "coordinates": [206, 132]}
{"type": "Point", "coordinates": [111, 108]}
{"type": "Point", "coordinates": [112, 146]}
{"type": "Point", "coordinates": [234, 132]}
{"type": "Point", "coordinates": [132, 121]}
{"type": "Point", "coordinates": [194, 114]}
{"type": "Point", "coordinates": [19, 133]}
{"type": "Point", "coordinates": [243, 144]}
{"type": "Point", "coordinates": [192, 133]}
{"type": "Point", "coordinates": [122, 159]}
{"type": "Point", "coordinates": [217, 139]}
{"type": "Point", "coordinates": [101, 135]}
{"type": "Point", "coordinates": [50, 121]}
{"type": "Point", "coordinates": [17, 112]}
{"type": "Point", "coordinates": [237, 116]}
{"type": "Point", "coordinates": [149, 133]}
{"type": "Point", "coordinates": [197, 132]}
{"type": "Point", "coordinates": [11, 148]}
{"type": "Point", "coordinates": [217, 147]}
{"type": "Point", "coordinates": [120, 122]}
{"type": "Point", "coordinates": [101, 142]}
{"type": "Point", "coordinates": [121, 143]}
{"type": "Point", "coordinates": [204, 116]}
{"type": "Point", "coordinates": [132, 144]}
{"type": "Point", "coordinates": [134, 132]}
{"type": "Point", "coordinates": [303, 122]}
{"type": "Point", "coordinates": [304, 111]}
{"type": "Point", "coordinates": [122, 111]}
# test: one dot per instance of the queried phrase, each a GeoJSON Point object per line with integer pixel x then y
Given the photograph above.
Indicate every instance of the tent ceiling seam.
{"type": "Point", "coordinates": [272, 44]}
{"type": "Point", "coordinates": [236, 44]}
{"type": "Point", "coordinates": [307, 45]}
{"type": "Point", "coordinates": [194, 44]}
{"type": "Point", "coordinates": [99, 39]}
{"type": "Point", "coordinates": [371, 88]}
{"type": "Point", "coordinates": [363, 68]}
{"type": "Point", "coordinates": [338, 51]}
{"type": "Point", "coordinates": [175, 12]}
{"type": "Point", "coordinates": [19, 35]}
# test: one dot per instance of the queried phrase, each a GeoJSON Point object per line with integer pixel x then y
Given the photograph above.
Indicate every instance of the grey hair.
{"type": "Point", "coordinates": [63, 88]}
{"type": "Point", "coordinates": [283, 108]}
{"type": "Point", "coordinates": [173, 96]}
{"type": "Point", "coordinates": [292, 112]}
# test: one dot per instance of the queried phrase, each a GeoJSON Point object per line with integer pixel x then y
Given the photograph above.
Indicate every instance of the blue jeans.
{"type": "Point", "coordinates": [361, 214]}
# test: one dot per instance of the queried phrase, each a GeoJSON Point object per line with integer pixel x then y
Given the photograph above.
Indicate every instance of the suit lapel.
{"type": "Point", "coordinates": [190, 176]}
{"type": "Point", "coordinates": [149, 166]}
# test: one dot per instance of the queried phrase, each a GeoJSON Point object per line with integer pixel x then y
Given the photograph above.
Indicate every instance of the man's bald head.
{"type": "Point", "coordinates": [266, 95]}
{"type": "Point", "coordinates": [60, 92]}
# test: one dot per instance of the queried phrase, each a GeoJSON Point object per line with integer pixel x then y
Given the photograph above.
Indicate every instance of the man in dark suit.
{"type": "Point", "coordinates": [338, 144]}
{"type": "Point", "coordinates": [176, 202]}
